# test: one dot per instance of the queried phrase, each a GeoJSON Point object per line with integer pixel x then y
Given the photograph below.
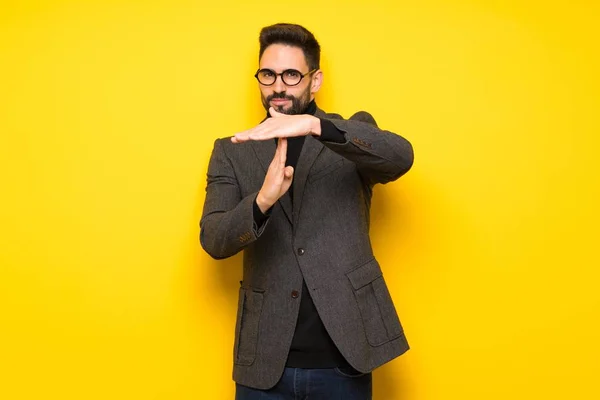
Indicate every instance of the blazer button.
{"type": "Point", "coordinates": [295, 294]}
{"type": "Point", "coordinates": [300, 251]}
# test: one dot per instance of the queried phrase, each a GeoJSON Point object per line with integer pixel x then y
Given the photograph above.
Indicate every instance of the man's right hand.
{"type": "Point", "coordinates": [278, 179]}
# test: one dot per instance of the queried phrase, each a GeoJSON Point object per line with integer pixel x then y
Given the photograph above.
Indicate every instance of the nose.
{"type": "Point", "coordinates": [278, 86]}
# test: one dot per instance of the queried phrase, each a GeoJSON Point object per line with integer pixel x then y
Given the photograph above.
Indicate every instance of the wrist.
{"type": "Point", "coordinates": [262, 204]}
{"type": "Point", "coordinates": [315, 127]}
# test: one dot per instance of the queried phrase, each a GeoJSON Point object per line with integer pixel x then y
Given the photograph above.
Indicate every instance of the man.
{"type": "Point", "coordinates": [315, 316]}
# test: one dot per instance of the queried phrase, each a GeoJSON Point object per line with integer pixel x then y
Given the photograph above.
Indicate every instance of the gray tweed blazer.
{"type": "Point", "coordinates": [323, 238]}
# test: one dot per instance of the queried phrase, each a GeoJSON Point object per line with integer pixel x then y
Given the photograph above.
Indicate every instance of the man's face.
{"type": "Point", "coordinates": [287, 99]}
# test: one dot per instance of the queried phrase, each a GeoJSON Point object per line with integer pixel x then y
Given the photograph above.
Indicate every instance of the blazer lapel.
{"type": "Point", "coordinates": [311, 149]}
{"type": "Point", "coordinates": [320, 113]}
{"type": "Point", "coordinates": [265, 151]}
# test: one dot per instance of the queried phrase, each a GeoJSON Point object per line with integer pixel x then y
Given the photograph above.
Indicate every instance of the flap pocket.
{"type": "Point", "coordinates": [326, 170]}
{"type": "Point", "coordinates": [244, 285]}
{"type": "Point", "coordinates": [249, 312]}
{"type": "Point", "coordinates": [364, 274]}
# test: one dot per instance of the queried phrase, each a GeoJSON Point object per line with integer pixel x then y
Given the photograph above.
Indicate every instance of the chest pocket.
{"type": "Point", "coordinates": [326, 170]}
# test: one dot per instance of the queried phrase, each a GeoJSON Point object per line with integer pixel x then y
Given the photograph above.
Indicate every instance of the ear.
{"type": "Point", "coordinates": [317, 81]}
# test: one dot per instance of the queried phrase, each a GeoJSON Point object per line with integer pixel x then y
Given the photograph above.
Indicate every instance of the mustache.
{"type": "Point", "coordinates": [281, 95]}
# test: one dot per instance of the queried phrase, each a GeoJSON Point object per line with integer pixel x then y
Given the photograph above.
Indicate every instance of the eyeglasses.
{"type": "Point", "coordinates": [290, 77]}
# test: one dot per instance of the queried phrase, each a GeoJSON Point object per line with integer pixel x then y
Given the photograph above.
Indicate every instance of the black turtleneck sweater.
{"type": "Point", "coordinates": [312, 346]}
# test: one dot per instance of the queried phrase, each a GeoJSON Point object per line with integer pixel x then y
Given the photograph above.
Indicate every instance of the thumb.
{"type": "Point", "coordinates": [288, 172]}
{"type": "Point", "coordinates": [274, 113]}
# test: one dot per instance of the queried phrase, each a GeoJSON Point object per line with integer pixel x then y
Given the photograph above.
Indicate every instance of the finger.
{"type": "Point", "coordinates": [262, 136]}
{"type": "Point", "coordinates": [265, 131]}
{"type": "Point", "coordinates": [282, 144]}
{"type": "Point", "coordinates": [240, 137]}
{"type": "Point", "coordinates": [244, 136]}
{"type": "Point", "coordinates": [288, 172]}
{"type": "Point", "coordinates": [276, 162]}
{"type": "Point", "coordinates": [288, 175]}
{"type": "Point", "coordinates": [274, 128]}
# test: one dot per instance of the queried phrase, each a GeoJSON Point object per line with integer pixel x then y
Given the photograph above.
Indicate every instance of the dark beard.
{"type": "Point", "coordinates": [299, 104]}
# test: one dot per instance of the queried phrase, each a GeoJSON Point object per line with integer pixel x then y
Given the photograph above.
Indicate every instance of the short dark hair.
{"type": "Point", "coordinates": [292, 35]}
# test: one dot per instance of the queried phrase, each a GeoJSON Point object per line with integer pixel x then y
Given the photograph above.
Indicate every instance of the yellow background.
{"type": "Point", "coordinates": [108, 113]}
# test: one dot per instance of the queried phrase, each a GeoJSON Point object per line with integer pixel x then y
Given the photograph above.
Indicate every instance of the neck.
{"type": "Point", "coordinates": [312, 108]}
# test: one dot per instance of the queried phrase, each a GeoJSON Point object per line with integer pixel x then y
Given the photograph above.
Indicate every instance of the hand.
{"type": "Point", "coordinates": [281, 126]}
{"type": "Point", "coordinates": [278, 179]}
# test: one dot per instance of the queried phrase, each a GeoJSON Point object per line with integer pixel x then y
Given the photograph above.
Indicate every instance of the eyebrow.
{"type": "Point", "coordinates": [283, 69]}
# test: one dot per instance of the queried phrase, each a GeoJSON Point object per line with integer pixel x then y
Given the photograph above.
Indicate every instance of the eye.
{"type": "Point", "coordinates": [267, 73]}
{"type": "Point", "coordinates": [292, 74]}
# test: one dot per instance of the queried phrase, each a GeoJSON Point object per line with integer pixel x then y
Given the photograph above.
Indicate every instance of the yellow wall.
{"type": "Point", "coordinates": [108, 112]}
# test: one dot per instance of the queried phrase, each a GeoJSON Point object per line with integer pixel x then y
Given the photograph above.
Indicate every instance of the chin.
{"type": "Point", "coordinates": [282, 109]}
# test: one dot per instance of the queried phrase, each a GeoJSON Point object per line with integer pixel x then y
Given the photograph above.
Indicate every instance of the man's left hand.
{"type": "Point", "coordinates": [281, 126]}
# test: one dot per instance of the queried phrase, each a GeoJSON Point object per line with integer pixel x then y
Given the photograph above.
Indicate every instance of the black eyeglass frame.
{"type": "Point", "coordinates": [281, 75]}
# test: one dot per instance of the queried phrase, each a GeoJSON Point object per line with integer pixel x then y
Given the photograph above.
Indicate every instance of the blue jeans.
{"type": "Point", "coordinates": [313, 384]}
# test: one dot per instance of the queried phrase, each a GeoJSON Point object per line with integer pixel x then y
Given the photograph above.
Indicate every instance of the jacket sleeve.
{"type": "Point", "coordinates": [380, 156]}
{"type": "Point", "coordinates": [227, 224]}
